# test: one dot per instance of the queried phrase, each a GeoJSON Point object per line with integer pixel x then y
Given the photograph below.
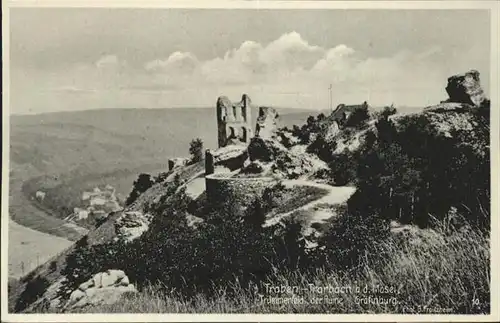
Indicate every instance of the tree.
{"type": "Point", "coordinates": [388, 111]}
{"type": "Point", "coordinates": [196, 150]}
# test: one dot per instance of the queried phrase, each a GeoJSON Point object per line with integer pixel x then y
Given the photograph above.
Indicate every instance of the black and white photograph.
{"type": "Point", "coordinates": [316, 158]}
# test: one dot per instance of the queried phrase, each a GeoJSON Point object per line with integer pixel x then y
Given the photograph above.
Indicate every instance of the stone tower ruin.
{"type": "Point", "coordinates": [233, 121]}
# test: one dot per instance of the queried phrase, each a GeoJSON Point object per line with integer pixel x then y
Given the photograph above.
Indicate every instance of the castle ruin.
{"type": "Point", "coordinates": [342, 113]}
{"type": "Point", "coordinates": [233, 121]}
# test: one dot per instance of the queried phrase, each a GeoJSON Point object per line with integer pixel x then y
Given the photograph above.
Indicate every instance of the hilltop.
{"type": "Point", "coordinates": [343, 199]}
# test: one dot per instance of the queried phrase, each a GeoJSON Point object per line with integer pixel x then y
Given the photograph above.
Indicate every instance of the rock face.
{"type": "Point", "coordinates": [131, 225]}
{"type": "Point", "coordinates": [298, 163]}
{"type": "Point", "coordinates": [266, 125]}
{"type": "Point", "coordinates": [466, 88]}
{"type": "Point", "coordinates": [104, 288]}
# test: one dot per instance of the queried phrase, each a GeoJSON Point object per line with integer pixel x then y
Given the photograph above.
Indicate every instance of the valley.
{"type": "Point", "coordinates": [66, 153]}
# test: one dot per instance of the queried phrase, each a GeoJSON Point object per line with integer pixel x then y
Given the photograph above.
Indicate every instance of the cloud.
{"type": "Point", "coordinates": [288, 71]}
{"type": "Point", "coordinates": [177, 62]}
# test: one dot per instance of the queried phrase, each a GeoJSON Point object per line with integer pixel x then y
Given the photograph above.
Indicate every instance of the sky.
{"type": "Point", "coordinates": [65, 59]}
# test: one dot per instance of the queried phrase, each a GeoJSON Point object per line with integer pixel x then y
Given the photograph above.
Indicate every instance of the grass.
{"type": "Point", "coordinates": [441, 275]}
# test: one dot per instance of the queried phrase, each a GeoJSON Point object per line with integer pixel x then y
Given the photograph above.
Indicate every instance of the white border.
{"type": "Point", "coordinates": [494, 8]}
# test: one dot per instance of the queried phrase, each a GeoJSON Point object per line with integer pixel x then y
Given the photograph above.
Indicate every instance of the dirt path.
{"type": "Point", "coordinates": [335, 195]}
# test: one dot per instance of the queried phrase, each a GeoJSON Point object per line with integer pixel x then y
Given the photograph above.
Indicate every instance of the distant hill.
{"type": "Point", "coordinates": [59, 142]}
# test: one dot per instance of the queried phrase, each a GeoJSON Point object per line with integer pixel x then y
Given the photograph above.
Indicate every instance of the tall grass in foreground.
{"type": "Point", "coordinates": [428, 273]}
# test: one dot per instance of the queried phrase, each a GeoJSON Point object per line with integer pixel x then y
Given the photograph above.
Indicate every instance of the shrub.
{"type": "Point", "coordinates": [358, 117]}
{"type": "Point", "coordinates": [322, 148]}
{"type": "Point", "coordinates": [351, 236]}
{"type": "Point", "coordinates": [33, 290]}
{"type": "Point", "coordinates": [388, 111]}
{"type": "Point", "coordinates": [53, 266]}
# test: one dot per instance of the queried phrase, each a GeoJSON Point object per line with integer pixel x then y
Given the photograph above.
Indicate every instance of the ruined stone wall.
{"type": "Point", "coordinates": [233, 121]}
{"type": "Point", "coordinates": [225, 159]}
{"type": "Point", "coordinates": [240, 192]}
{"type": "Point", "coordinates": [266, 125]}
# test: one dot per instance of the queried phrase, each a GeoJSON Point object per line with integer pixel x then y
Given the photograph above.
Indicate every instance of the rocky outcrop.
{"type": "Point", "coordinates": [265, 149]}
{"type": "Point", "coordinates": [131, 225]}
{"type": "Point", "coordinates": [288, 163]}
{"type": "Point", "coordinates": [104, 288]}
{"type": "Point", "coordinates": [298, 163]}
{"type": "Point", "coordinates": [177, 162]}
{"type": "Point", "coordinates": [266, 125]}
{"type": "Point", "coordinates": [466, 88]}
{"type": "Point", "coordinates": [332, 130]}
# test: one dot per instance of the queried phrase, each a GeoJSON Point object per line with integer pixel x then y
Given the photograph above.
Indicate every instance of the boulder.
{"type": "Point", "coordinates": [76, 295]}
{"type": "Point", "coordinates": [466, 88]}
{"type": "Point", "coordinates": [86, 285]}
{"type": "Point", "coordinates": [97, 280]}
{"type": "Point", "coordinates": [124, 281]}
{"type": "Point", "coordinates": [107, 280]}
{"type": "Point", "coordinates": [102, 296]}
{"type": "Point", "coordinates": [266, 126]}
{"type": "Point", "coordinates": [119, 274]}
{"type": "Point", "coordinates": [110, 286]}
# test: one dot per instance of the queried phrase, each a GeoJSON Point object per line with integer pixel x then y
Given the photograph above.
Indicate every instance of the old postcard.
{"type": "Point", "coordinates": [250, 160]}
